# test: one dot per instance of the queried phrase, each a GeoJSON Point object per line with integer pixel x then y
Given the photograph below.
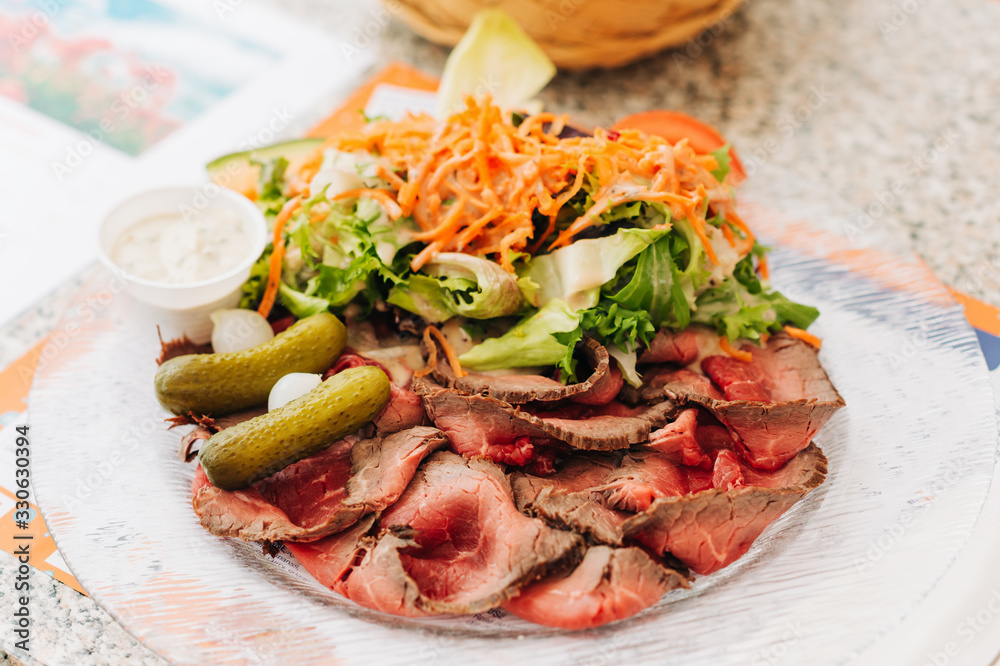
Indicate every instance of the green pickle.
{"type": "Point", "coordinates": [252, 450]}
{"type": "Point", "coordinates": [217, 384]}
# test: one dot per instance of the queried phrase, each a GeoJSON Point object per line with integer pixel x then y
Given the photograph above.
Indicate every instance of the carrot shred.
{"type": "Point", "coordinates": [473, 182]}
{"type": "Point", "coordinates": [738, 354]}
{"type": "Point", "coordinates": [392, 208]}
{"type": "Point", "coordinates": [449, 353]}
{"type": "Point", "coordinates": [425, 255]}
{"type": "Point", "coordinates": [804, 336]}
{"type": "Point", "coordinates": [763, 267]}
{"type": "Point", "coordinates": [742, 226]}
{"type": "Point", "coordinates": [277, 256]}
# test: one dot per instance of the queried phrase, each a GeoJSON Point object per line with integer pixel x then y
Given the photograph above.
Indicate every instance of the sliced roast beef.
{"type": "Point", "coordinates": [404, 410]}
{"type": "Point", "coordinates": [599, 388]}
{"type": "Point", "coordinates": [321, 494]}
{"type": "Point", "coordinates": [737, 379]}
{"type": "Point", "coordinates": [710, 529]}
{"type": "Point", "coordinates": [643, 477]}
{"type": "Point", "coordinates": [678, 440]}
{"type": "Point", "coordinates": [478, 425]}
{"type": "Point", "coordinates": [670, 347]}
{"type": "Point", "coordinates": [610, 584]}
{"type": "Point", "coordinates": [664, 382]}
{"type": "Point", "coordinates": [331, 559]}
{"type": "Point", "coordinates": [455, 543]}
{"type": "Point", "coordinates": [595, 493]}
{"type": "Point", "coordinates": [726, 471]}
{"type": "Point", "coordinates": [774, 405]}
{"type": "Point", "coordinates": [565, 498]}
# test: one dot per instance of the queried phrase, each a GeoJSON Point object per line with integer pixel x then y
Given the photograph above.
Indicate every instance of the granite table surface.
{"type": "Point", "coordinates": [891, 107]}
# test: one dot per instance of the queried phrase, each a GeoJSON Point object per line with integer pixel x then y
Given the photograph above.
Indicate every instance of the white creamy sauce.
{"type": "Point", "coordinates": [178, 249]}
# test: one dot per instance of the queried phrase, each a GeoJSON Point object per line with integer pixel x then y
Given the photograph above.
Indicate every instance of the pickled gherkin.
{"type": "Point", "coordinates": [217, 384]}
{"type": "Point", "coordinates": [252, 450]}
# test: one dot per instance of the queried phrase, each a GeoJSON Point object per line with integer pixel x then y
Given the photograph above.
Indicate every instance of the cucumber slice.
{"type": "Point", "coordinates": [238, 172]}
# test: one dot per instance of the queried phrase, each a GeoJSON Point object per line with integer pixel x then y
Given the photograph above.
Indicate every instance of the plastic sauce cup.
{"type": "Point", "coordinates": [184, 308]}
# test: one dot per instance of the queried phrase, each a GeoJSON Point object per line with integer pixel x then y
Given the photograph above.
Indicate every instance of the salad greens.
{"type": "Point", "coordinates": [645, 271]}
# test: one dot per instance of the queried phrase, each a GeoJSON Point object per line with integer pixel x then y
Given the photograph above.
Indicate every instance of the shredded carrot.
{"type": "Point", "coordinates": [699, 228]}
{"type": "Point", "coordinates": [449, 353]}
{"type": "Point", "coordinates": [389, 176]}
{"type": "Point", "coordinates": [738, 354]}
{"type": "Point", "coordinates": [382, 196]}
{"type": "Point", "coordinates": [742, 226]}
{"type": "Point", "coordinates": [473, 182]}
{"type": "Point", "coordinates": [804, 336]}
{"type": "Point", "coordinates": [762, 266]}
{"type": "Point", "coordinates": [277, 255]}
{"type": "Point", "coordinates": [311, 166]}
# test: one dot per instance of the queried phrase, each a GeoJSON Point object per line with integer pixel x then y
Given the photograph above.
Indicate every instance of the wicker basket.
{"type": "Point", "coordinates": [576, 34]}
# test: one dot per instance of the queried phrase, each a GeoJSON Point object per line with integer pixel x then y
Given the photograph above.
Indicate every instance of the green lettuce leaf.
{"type": "Point", "coordinates": [532, 341]}
{"type": "Point", "coordinates": [270, 180]}
{"type": "Point", "coordinates": [722, 157]}
{"type": "Point", "coordinates": [462, 285]}
{"type": "Point", "coordinates": [300, 304]}
{"type": "Point", "coordinates": [653, 284]}
{"type": "Point", "coordinates": [739, 307]}
{"type": "Point", "coordinates": [252, 291]}
{"type": "Point", "coordinates": [613, 324]}
{"type": "Point", "coordinates": [427, 296]}
{"type": "Point", "coordinates": [495, 54]}
{"type": "Point", "coordinates": [575, 273]}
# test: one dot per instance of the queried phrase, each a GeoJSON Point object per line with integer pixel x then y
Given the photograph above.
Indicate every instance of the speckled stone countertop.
{"type": "Point", "coordinates": [889, 107]}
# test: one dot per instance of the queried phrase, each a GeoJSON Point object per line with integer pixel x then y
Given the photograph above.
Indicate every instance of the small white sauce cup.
{"type": "Point", "coordinates": [184, 308]}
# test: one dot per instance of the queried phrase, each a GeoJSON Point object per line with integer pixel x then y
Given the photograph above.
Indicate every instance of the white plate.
{"type": "Point", "coordinates": [910, 465]}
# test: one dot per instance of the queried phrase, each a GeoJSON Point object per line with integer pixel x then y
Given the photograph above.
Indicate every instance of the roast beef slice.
{"type": "Point", "coordinates": [610, 584]}
{"type": "Point", "coordinates": [331, 559]}
{"type": "Point", "coordinates": [669, 347]}
{"type": "Point", "coordinates": [455, 543]}
{"type": "Point", "coordinates": [599, 388]}
{"type": "Point", "coordinates": [474, 423]}
{"type": "Point", "coordinates": [565, 499]}
{"type": "Point", "coordinates": [710, 529]}
{"type": "Point", "coordinates": [322, 494]}
{"type": "Point", "coordinates": [802, 400]}
{"type": "Point", "coordinates": [595, 493]}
